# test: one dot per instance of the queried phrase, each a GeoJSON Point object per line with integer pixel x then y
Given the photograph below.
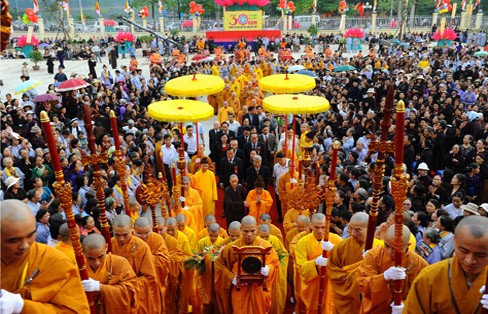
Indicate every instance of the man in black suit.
{"type": "Point", "coordinates": [213, 138]}
{"type": "Point", "coordinates": [252, 116]}
{"type": "Point", "coordinates": [225, 130]}
{"type": "Point", "coordinates": [254, 144]}
{"type": "Point", "coordinates": [228, 166]}
{"type": "Point", "coordinates": [257, 169]}
{"type": "Point", "coordinates": [245, 137]}
{"type": "Point", "coordinates": [239, 153]}
{"type": "Point", "coordinates": [270, 143]}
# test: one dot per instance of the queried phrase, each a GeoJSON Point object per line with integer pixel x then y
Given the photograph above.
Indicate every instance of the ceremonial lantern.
{"type": "Point", "coordinates": [250, 259]}
{"type": "Point", "coordinates": [383, 147]}
{"type": "Point", "coordinates": [329, 203]}
{"type": "Point", "coordinates": [94, 159]}
{"type": "Point", "coordinates": [63, 191]}
{"type": "Point", "coordinates": [399, 188]}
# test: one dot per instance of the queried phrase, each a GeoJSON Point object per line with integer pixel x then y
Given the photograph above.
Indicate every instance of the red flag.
{"type": "Point", "coordinates": [360, 8]}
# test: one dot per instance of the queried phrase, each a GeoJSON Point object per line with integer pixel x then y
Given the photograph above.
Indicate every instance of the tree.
{"type": "Point", "coordinates": [54, 9]}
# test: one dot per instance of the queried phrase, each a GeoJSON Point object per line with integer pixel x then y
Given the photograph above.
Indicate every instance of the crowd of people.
{"type": "Point", "coordinates": [242, 170]}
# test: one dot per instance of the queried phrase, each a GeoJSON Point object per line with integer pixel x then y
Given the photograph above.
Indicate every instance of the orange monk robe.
{"type": "Point", "coordinates": [256, 208]}
{"type": "Point", "coordinates": [242, 80]}
{"type": "Point", "coordinates": [192, 237]}
{"type": "Point", "coordinates": [209, 191]}
{"type": "Point", "coordinates": [235, 104]}
{"type": "Point", "coordinates": [293, 272]}
{"type": "Point", "coordinates": [284, 189]}
{"type": "Point", "coordinates": [194, 184]}
{"type": "Point", "coordinates": [275, 231]}
{"type": "Point", "coordinates": [55, 289]}
{"type": "Point", "coordinates": [68, 250]}
{"type": "Point", "coordinates": [307, 250]}
{"type": "Point", "coordinates": [377, 293]}
{"type": "Point", "coordinates": [250, 299]}
{"type": "Point", "coordinates": [187, 289]}
{"type": "Point", "coordinates": [155, 58]}
{"type": "Point", "coordinates": [139, 255]}
{"type": "Point", "coordinates": [190, 219]}
{"type": "Point", "coordinates": [205, 281]}
{"type": "Point", "coordinates": [176, 261]}
{"type": "Point", "coordinates": [204, 233]}
{"type": "Point", "coordinates": [193, 165]}
{"type": "Point", "coordinates": [290, 218]}
{"type": "Point", "coordinates": [118, 286]}
{"type": "Point", "coordinates": [223, 114]}
{"type": "Point", "coordinates": [212, 100]}
{"type": "Point", "coordinates": [342, 270]}
{"type": "Point", "coordinates": [278, 292]}
{"type": "Point", "coordinates": [158, 158]}
{"type": "Point", "coordinates": [430, 292]}
{"type": "Point", "coordinates": [195, 206]}
{"type": "Point", "coordinates": [289, 237]}
{"type": "Point", "coordinates": [162, 261]}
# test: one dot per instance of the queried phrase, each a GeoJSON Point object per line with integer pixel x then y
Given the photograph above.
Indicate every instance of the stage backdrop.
{"type": "Point", "coordinates": [243, 20]}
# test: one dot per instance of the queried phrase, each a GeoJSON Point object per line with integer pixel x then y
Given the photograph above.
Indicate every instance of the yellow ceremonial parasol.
{"type": "Point", "coordinates": [287, 84]}
{"type": "Point", "coordinates": [295, 104]}
{"type": "Point", "coordinates": [180, 110]}
{"type": "Point", "coordinates": [194, 85]}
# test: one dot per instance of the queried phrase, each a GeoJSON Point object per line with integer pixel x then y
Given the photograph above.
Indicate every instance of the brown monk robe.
{"type": "Point", "coordinates": [143, 231]}
{"type": "Point", "coordinates": [139, 255]}
{"type": "Point", "coordinates": [35, 278]}
{"type": "Point", "coordinates": [176, 261]}
{"type": "Point", "coordinates": [112, 279]}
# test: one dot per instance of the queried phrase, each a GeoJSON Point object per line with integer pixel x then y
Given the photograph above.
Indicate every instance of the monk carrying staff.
{"type": "Point", "coordinates": [250, 298]}
{"type": "Point", "coordinates": [344, 262]}
{"type": "Point", "coordinates": [139, 255]}
{"type": "Point", "coordinates": [111, 278]}
{"type": "Point", "coordinates": [455, 285]}
{"type": "Point", "coordinates": [308, 259]}
{"type": "Point", "coordinates": [378, 272]}
{"type": "Point", "coordinates": [35, 278]}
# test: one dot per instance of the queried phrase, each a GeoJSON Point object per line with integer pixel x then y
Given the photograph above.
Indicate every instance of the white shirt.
{"type": "Point", "coordinates": [168, 152]}
{"type": "Point", "coordinates": [191, 143]}
{"type": "Point", "coordinates": [278, 171]}
{"type": "Point", "coordinates": [234, 126]}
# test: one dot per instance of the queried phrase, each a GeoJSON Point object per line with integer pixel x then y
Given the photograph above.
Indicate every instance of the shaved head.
{"type": "Point", "coordinates": [180, 218]}
{"type": "Point", "coordinates": [318, 217]}
{"type": "Point", "coordinates": [171, 221]}
{"type": "Point", "coordinates": [209, 219]}
{"type": "Point", "coordinates": [389, 240]}
{"type": "Point", "coordinates": [122, 221]}
{"type": "Point", "coordinates": [18, 230]}
{"type": "Point", "coordinates": [358, 227]}
{"type": "Point", "coordinates": [248, 221]}
{"type": "Point", "coordinates": [63, 232]}
{"type": "Point", "coordinates": [303, 219]}
{"type": "Point", "coordinates": [235, 226]}
{"type": "Point", "coordinates": [360, 218]}
{"type": "Point", "coordinates": [265, 218]}
{"type": "Point", "coordinates": [248, 228]}
{"type": "Point", "coordinates": [214, 227]}
{"type": "Point", "coordinates": [93, 242]}
{"type": "Point", "coordinates": [142, 222]}
{"type": "Point", "coordinates": [264, 228]}
{"type": "Point", "coordinates": [160, 220]}
{"type": "Point", "coordinates": [477, 226]}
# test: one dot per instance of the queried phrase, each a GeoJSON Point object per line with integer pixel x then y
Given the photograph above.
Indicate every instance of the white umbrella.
{"type": "Point", "coordinates": [294, 68]}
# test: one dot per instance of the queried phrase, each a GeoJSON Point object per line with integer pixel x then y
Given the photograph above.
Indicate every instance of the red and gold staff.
{"type": "Point", "coordinates": [329, 203]}
{"type": "Point", "coordinates": [120, 163]}
{"type": "Point", "coordinates": [383, 147]}
{"type": "Point", "coordinates": [63, 191]}
{"type": "Point", "coordinates": [94, 159]}
{"type": "Point", "coordinates": [399, 187]}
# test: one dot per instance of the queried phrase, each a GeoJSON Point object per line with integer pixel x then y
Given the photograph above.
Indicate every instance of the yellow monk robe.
{"type": "Point", "coordinates": [56, 288]}
{"type": "Point", "coordinates": [193, 165]}
{"type": "Point", "coordinates": [242, 81]}
{"type": "Point", "coordinates": [134, 216]}
{"type": "Point", "coordinates": [194, 184]}
{"type": "Point", "coordinates": [294, 274]}
{"type": "Point", "coordinates": [307, 250]}
{"type": "Point", "coordinates": [291, 218]}
{"type": "Point", "coordinates": [342, 271]}
{"type": "Point", "coordinates": [209, 191]}
{"type": "Point", "coordinates": [162, 262]}
{"type": "Point", "coordinates": [191, 236]}
{"type": "Point", "coordinates": [118, 281]}
{"type": "Point", "coordinates": [256, 208]}
{"type": "Point", "coordinates": [284, 189]}
{"type": "Point", "coordinates": [235, 104]}
{"type": "Point", "coordinates": [278, 292]}
{"type": "Point", "coordinates": [276, 232]}
{"type": "Point", "coordinates": [158, 158]}
{"type": "Point", "coordinates": [430, 292]}
{"type": "Point", "coordinates": [377, 293]}
{"type": "Point", "coordinates": [68, 250]}
{"type": "Point", "coordinates": [176, 261]}
{"type": "Point", "coordinates": [187, 288]}
{"type": "Point", "coordinates": [223, 114]}
{"type": "Point", "coordinates": [190, 219]}
{"type": "Point", "coordinates": [205, 281]}
{"type": "Point", "coordinates": [204, 233]}
{"type": "Point", "coordinates": [250, 299]}
{"type": "Point", "coordinates": [139, 255]}
{"type": "Point", "coordinates": [215, 70]}
{"type": "Point", "coordinates": [259, 73]}
{"type": "Point", "coordinates": [289, 237]}
{"type": "Point", "coordinates": [194, 203]}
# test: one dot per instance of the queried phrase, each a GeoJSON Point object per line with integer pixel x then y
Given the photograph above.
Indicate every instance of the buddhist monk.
{"type": "Point", "coordinates": [250, 298]}
{"type": "Point", "coordinates": [259, 200]}
{"type": "Point", "coordinates": [190, 234]}
{"type": "Point", "coordinates": [275, 231]}
{"type": "Point", "coordinates": [234, 231]}
{"type": "Point", "coordinates": [205, 281]}
{"type": "Point", "coordinates": [303, 223]}
{"type": "Point", "coordinates": [195, 162]}
{"type": "Point", "coordinates": [458, 282]}
{"type": "Point", "coordinates": [378, 271]}
{"type": "Point", "coordinates": [344, 262]}
{"type": "Point", "coordinates": [139, 255]}
{"type": "Point", "coordinates": [35, 278]}
{"type": "Point", "coordinates": [64, 244]}
{"type": "Point", "coordinates": [279, 286]}
{"type": "Point", "coordinates": [112, 279]}
{"type": "Point", "coordinates": [308, 259]}
{"type": "Point", "coordinates": [206, 178]}
{"type": "Point", "coordinates": [193, 204]}
{"type": "Point", "coordinates": [143, 230]}
{"type": "Point", "coordinates": [210, 219]}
